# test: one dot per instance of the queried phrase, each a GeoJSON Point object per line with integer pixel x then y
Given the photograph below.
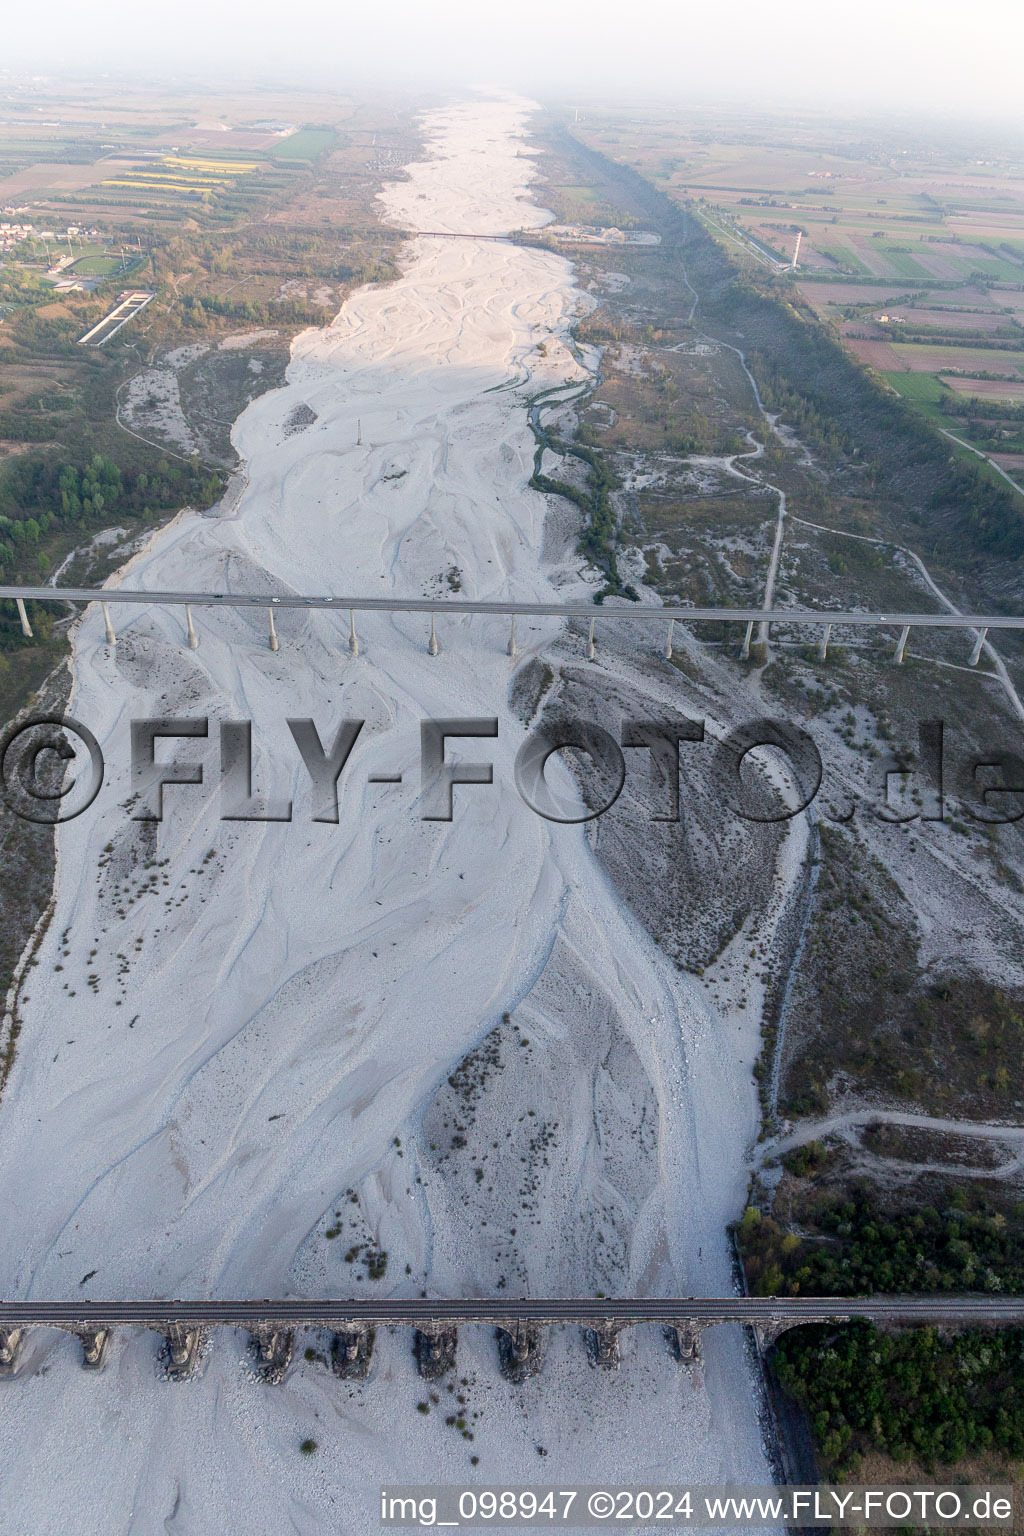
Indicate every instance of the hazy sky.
{"type": "Point", "coordinates": [960, 56]}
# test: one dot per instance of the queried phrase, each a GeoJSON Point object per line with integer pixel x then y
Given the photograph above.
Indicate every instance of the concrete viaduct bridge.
{"type": "Point", "coordinates": [668, 616]}
{"type": "Point", "coordinates": [522, 1326]}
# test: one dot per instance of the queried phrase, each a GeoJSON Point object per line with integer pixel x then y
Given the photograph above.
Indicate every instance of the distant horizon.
{"type": "Point", "coordinates": [627, 101]}
{"type": "Point", "coordinates": [922, 55]}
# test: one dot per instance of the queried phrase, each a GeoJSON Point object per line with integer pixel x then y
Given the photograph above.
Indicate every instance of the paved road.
{"type": "Point", "coordinates": [560, 610]}
{"type": "Point", "coordinates": [978, 453]}
{"type": "Point", "coordinates": [904, 1309]}
{"type": "Point", "coordinates": [936, 591]}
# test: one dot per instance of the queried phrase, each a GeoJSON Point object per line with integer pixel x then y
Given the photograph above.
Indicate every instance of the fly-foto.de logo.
{"type": "Point", "coordinates": [768, 770]}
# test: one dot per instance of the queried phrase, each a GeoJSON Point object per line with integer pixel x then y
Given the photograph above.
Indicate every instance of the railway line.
{"type": "Point", "coordinates": [522, 1326]}
{"type": "Point", "coordinates": [583, 1310]}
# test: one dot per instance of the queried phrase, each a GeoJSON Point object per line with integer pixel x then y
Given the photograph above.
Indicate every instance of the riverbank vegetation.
{"type": "Point", "coordinates": [597, 539]}
{"type": "Point", "coordinates": [922, 1399]}
{"type": "Point", "coordinates": [677, 323]}
{"type": "Point", "coordinates": [925, 1401]}
{"type": "Point", "coordinates": [851, 1242]}
{"type": "Point", "coordinates": [247, 260]}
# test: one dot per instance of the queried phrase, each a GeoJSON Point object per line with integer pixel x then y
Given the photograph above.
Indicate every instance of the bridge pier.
{"type": "Point", "coordinates": [745, 649]}
{"type": "Point", "coordinates": [767, 1330]}
{"type": "Point", "coordinates": [901, 648]}
{"type": "Point", "coordinates": [352, 1352]}
{"type": "Point", "coordinates": [182, 1342]}
{"type": "Point", "coordinates": [687, 1336]}
{"type": "Point", "coordinates": [521, 1348]}
{"type": "Point", "coordinates": [434, 1347]}
{"type": "Point", "coordinates": [979, 643]}
{"type": "Point", "coordinates": [522, 1326]}
{"type": "Point", "coordinates": [273, 1351]}
{"type": "Point", "coordinates": [94, 1346]}
{"type": "Point", "coordinates": [602, 1336]}
{"type": "Point", "coordinates": [823, 647]}
{"type": "Point", "coordinates": [11, 1340]}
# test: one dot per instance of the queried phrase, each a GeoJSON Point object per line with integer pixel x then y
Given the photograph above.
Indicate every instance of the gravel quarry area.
{"type": "Point", "coordinates": [391, 1054]}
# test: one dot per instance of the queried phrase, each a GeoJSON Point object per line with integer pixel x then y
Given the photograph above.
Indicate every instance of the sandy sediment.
{"type": "Point", "coordinates": [266, 1016]}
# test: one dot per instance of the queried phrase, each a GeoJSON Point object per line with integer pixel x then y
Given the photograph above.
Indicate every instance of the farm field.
{"type": "Point", "coordinates": [991, 306]}
{"type": "Point", "coordinates": [307, 144]}
{"type": "Point", "coordinates": [882, 206]}
{"type": "Point", "coordinates": [127, 158]}
{"type": "Point", "coordinates": [993, 389]}
{"type": "Point", "coordinates": [922, 388]}
{"type": "Point", "coordinates": [985, 322]}
{"type": "Point", "coordinates": [922, 358]}
{"type": "Point", "coordinates": [232, 237]}
{"type": "Point", "coordinates": [840, 293]}
{"type": "Point", "coordinates": [956, 410]}
{"type": "Point", "coordinates": [32, 180]}
{"type": "Point", "coordinates": [845, 248]}
{"type": "Point", "coordinates": [931, 397]}
{"type": "Point", "coordinates": [877, 354]}
{"type": "Point", "coordinates": [911, 245]}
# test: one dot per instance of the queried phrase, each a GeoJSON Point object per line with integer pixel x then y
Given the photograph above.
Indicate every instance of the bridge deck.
{"type": "Point", "coordinates": [582, 1310]}
{"type": "Point", "coordinates": [456, 607]}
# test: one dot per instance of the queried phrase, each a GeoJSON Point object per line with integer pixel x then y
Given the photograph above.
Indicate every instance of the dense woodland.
{"type": "Point", "coordinates": [855, 1246]}
{"type": "Point", "coordinates": [48, 503]}
{"type": "Point", "coordinates": [916, 1396]}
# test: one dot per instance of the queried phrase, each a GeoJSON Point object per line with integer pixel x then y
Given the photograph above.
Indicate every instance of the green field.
{"type": "Point", "coordinates": [845, 257]}
{"type": "Point", "coordinates": [928, 395]}
{"type": "Point", "coordinates": [307, 144]}
{"type": "Point", "coordinates": [931, 397]}
{"type": "Point", "coordinates": [994, 268]}
{"type": "Point", "coordinates": [903, 261]}
{"type": "Point", "coordinates": [97, 266]}
{"type": "Point", "coordinates": [922, 388]}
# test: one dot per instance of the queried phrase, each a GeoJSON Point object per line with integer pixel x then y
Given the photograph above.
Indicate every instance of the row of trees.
{"type": "Point", "coordinates": [597, 541]}
{"type": "Point", "coordinates": [201, 314]}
